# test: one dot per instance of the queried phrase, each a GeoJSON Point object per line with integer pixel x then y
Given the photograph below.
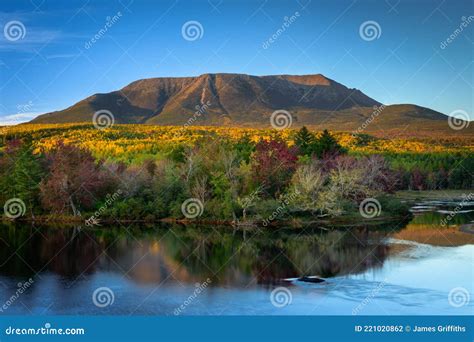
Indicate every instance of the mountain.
{"type": "Point", "coordinates": [244, 100]}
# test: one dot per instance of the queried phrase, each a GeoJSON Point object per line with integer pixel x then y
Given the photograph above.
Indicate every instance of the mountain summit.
{"type": "Point", "coordinates": [239, 100]}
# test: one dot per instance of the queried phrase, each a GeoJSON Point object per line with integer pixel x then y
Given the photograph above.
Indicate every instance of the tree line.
{"type": "Point", "coordinates": [231, 180]}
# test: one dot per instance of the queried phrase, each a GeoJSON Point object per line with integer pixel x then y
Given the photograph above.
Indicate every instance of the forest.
{"type": "Point", "coordinates": [148, 173]}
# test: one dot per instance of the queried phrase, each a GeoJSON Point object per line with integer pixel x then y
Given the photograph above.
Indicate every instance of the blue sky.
{"type": "Point", "coordinates": [51, 62]}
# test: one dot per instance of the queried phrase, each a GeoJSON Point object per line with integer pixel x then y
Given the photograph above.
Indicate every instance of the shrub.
{"type": "Point", "coordinates": [273, 165]}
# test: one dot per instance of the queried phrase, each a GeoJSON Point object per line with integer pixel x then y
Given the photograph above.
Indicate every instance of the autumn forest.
{"type": "Point", "coordinates": [133, 172]}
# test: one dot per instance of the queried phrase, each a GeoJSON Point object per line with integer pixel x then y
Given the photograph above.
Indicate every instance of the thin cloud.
{"type": "Point", "coordinates": [33, 39]}
{"type": "Point", "coordinates": [14, 119]}
{"type": "Point", "coordinates": [34, 36]}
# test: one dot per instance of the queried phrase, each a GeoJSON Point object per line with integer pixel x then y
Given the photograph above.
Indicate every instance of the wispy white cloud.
{"type": "Point", "coordinates": [14, 119]}
{"type": "Point", "coordinates": [36, 38]}
{"type": "Point", "coordinates": [33, 37]}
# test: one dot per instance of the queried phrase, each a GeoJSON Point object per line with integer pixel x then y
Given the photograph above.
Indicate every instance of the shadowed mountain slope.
{"type": "Point", "coordinates": [245, 100]}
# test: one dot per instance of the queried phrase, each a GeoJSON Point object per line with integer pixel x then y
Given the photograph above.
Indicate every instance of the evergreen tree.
{"type": "Point", "coordinates": [21, 173]}
{"type": "Point", "coordinates": [310, 145]}
{"type": "Point", "coordinates": [326, 144]}
{"type": "Point", "coordinates": [305, 140]}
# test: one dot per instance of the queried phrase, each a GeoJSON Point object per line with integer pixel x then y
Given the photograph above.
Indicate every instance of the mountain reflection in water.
{"type": "Point", "coordinates": [153, 270]}
{"type": "Point", "coordinates": [190, 254]}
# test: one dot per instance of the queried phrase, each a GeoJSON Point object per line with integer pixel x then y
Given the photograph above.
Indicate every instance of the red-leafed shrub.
{"type": "Point", "coordinates": [76, 181]}
{"type": "Point", "coordinates": [273, 165]}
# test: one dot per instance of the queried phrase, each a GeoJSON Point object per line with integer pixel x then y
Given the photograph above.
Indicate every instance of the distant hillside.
{"type": "Point", "coordinates": [244, 100]}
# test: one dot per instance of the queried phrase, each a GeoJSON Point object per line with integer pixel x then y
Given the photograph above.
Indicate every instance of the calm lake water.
{"type": "Point", "coordinates": [398, 268]}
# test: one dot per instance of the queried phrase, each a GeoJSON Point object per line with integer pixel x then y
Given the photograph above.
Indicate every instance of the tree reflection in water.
{"type": "Point", "coordinates": [227, 256]}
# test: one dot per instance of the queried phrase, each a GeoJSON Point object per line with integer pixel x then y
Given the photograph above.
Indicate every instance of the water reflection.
{"type": "Point", "coordinates": [190, 254]}
{"type": "Point", "coordinates": [153, 270]}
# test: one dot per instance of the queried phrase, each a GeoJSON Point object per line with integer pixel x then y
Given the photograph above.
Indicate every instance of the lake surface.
{"type": "Point", "coordinates": [416, 267]}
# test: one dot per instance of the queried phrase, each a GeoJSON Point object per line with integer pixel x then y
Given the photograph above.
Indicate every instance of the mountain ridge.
{"type": "Point", "coordinates": [241, 100]}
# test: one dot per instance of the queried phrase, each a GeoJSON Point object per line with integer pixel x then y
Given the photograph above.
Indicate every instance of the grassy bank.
{"type": "Point", "coordinates": [446, 194]}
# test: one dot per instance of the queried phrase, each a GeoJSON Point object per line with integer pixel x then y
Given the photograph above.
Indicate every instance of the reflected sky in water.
{"type": "Point", "coordinates": [411, 266]}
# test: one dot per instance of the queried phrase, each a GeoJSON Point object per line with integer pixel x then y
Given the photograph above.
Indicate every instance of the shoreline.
{"type": "Point", "coordinates": [467, 228]}
{"type": "Point", "coordinates": [292, 223]}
